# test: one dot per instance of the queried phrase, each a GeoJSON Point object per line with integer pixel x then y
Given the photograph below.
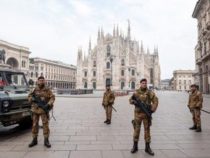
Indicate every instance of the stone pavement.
{"type": "Point", "coordinates": [79, 131]}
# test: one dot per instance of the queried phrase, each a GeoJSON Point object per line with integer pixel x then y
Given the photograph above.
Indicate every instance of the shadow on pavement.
{"type": "Point", "coordinates": [12, 131]}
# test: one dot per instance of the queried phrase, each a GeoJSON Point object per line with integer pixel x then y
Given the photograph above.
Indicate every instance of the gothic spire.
{"type": "Point", "coordinates": [117, 31]}
{"type": "Point", "coordinates": [142, 47]}
{"type": "Point", "coordinates": [114, 31]}
{"type": "Point", "coordinates": [129, 30]}
{"type": "Point", "coordinates": [89, 49]}
{"type": "Point", "coordinates": [102, 32]}
{"type": "Point", "coordinates": [99, 34]}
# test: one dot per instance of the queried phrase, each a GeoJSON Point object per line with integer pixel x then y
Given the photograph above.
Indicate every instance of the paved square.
{"type": "Point", "coordinates": [79, 131]}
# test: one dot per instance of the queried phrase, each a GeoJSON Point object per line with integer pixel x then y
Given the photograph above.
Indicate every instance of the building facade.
{"type": "Point", "coordinates": [118, 60]}
{"type": "Point", "coordinates": [182, 79]}
{"type": "Point", "coordinates": [57, 74]}
{"type": "Point", "coordinates": [16, 56]}
{"type": "Point", "coordinates": [165, 84]}
{"type": "Point", "coordinates": [202, 49]}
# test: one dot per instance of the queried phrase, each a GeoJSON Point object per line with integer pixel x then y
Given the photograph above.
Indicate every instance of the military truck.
{"type": "Point", "coordinates": [14, 106]}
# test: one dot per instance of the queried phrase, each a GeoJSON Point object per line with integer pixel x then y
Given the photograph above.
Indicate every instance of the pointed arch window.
{"type": "Point", "coordinates": [122, 62]}
{"type": "Point", "coordinates": [108, 49]}
{"type": "Point", "coordinates": [94, 63]}
{"type": "Point", "coordinates": [108, 65]}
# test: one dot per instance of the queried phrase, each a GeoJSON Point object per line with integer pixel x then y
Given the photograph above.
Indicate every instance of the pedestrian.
{"type": "Point", "coordinates": [41, 99]}
{"type": "Point", "coordinates": [149, 99]}
{"type": "Point", "coordinates": [195, 105]}
{"type": "Point", "coordinates": [107, 103]}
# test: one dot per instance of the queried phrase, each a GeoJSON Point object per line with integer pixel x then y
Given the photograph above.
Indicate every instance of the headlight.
{"type": "Point", "coordinates": [5, 104]}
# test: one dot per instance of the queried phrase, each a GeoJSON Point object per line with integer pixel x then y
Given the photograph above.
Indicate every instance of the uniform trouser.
{"type": "Point", "coordinates": [196, 116]}
{"type": "Point", "coordinates": [45, 123]}
{"type": "Point", "coordinates": [139, 118]}
{"type": "Point", "coordinates": [108, 110]}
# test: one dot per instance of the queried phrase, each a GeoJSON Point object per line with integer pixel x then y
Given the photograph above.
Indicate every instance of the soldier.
{"type": "Point", "coordinates": [195, 106]}
{"type": "Point", "coordinates": [41, 99]}
{"type": "Point", "coordinates": [148, 98]}
{"type": "Point", "coordinates": [108, 101]}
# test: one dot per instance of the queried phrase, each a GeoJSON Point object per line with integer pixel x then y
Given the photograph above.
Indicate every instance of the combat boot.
{"type": "Point", "coordinates": [148, 149]}
{"type": "Point", "coordinates": [33, 142]}
{"type": "Point", "coordinates": [198, 129]}
{"type": "Point", "coordinates": [108, 122]}
{"type": "Point", "coordinates": [135, 147]}
{"type": "Point", "coordinates": [193, 127]}
{"type": "Point", "coordinates": [47, 143]}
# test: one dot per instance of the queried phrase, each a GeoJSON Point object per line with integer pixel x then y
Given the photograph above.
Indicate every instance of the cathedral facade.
{"type": "Point", "coordinates": [117, 60]}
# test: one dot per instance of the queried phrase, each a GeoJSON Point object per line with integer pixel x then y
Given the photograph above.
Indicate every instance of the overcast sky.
{"type": "Point", "coordinates": [54, 29]}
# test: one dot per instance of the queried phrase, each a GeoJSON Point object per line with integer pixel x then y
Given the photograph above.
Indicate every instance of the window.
{"type": "Point", "coordinates": [180, 81]}
{"type": "Point", "coordinates": [94, 63]}
{"type": "Point", "coordinates": [94, 73]}
{"type": "Point", "coordinates": [32, 74]}
{"type": "Point", "coordinates": [94, 85]}
{"type": "Point", "coordinates": [122, 85]}
{"type": "Point", "coordinates": [85, 73]}
{"type": "Point", "coordinates": [122, 72]}
{"type": "Point", "coordinates": [133, 72]}
{"type": "Point", "coordinates": [37, 74]}
{"type": "Point", "coordinates": [108, 48]}
{"type": "Point", "coordinates": [85, 85]}
{"type": "Point", "coordinates": [108, 65]}
{"type": "Point", "coordinates": [189, 81]}
{"type": "Point", "coordinates": [23, 63]}
{"type": "Point", "coordinates": [184, 81]}
{"type": "Point", "coordinates": [133, 85]}
{"type": "Point", "coordinates": [122, 62]}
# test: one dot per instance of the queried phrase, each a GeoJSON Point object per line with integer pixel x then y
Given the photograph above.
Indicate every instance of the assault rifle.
{"type": "Point", "coordinates": [40, 103]}
{"type": "Point", "coordinates": [144, 107]}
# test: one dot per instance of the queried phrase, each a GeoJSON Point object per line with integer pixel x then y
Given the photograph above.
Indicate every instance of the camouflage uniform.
{"type": "Point", "coordinates": [195, 105]}
{"type": "Point", "coordinates": [108, 101]}
{"type": "Point", "coordinates": [149, 98]}
{"type": "Point", "coordinates": [46, 95]}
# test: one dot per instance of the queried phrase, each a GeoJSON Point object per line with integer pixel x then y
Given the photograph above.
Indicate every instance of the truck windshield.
{"type": "Point", "coordinates": [12, 79]}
